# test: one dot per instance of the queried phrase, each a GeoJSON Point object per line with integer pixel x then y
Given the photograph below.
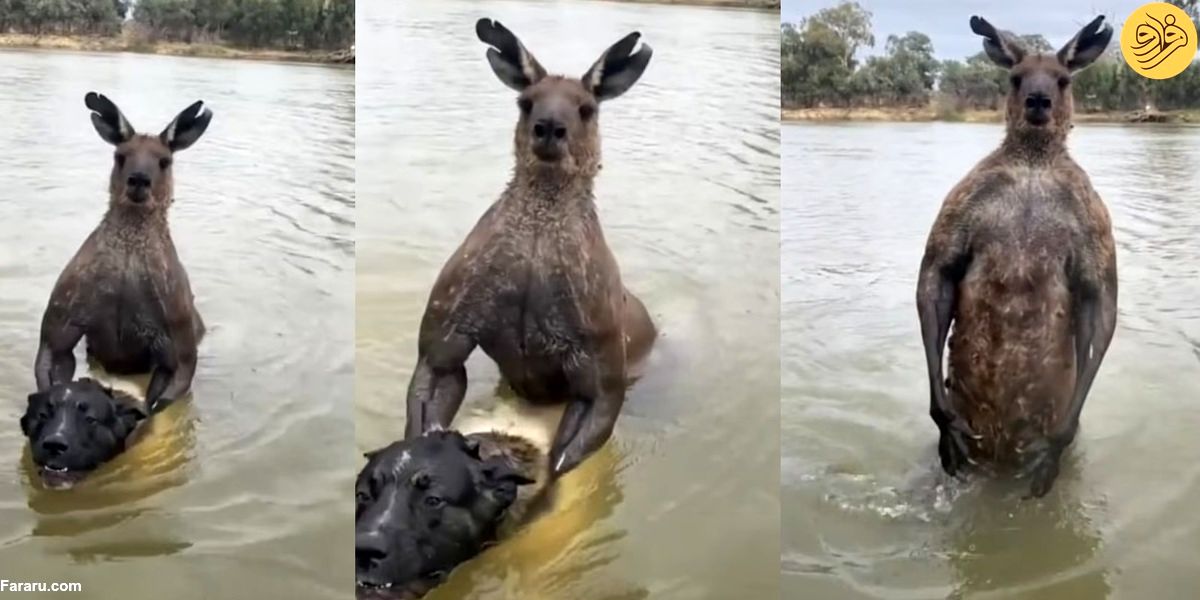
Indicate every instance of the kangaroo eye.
{"type": "Point", "coordinates": [163, 163]}
{"type": "Point", "coordinates": [434, 501]}
{"type": "Point", "coordinates": [586, 111]}
{"type": "Point", "coordinates": [1064, 81]}
{"type": "Point", "coordinates": [1015, 80]}
{"type": "Point", "coordinates": [525, 104]}
{"type": "Point", "coordinates": [120, 159]}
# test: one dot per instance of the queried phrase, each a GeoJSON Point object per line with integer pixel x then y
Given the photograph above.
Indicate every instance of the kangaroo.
{"type": "Point", "coordinates": [125, 289]}
{"type": "Point", "coordinates": [1021, 260]}
{"type": "Point", "coordinates": [534, 283]}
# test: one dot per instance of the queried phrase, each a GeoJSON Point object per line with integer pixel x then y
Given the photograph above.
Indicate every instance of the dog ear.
{"type": "Point", "coordinates": [128, 416]}
{"type": "Point", "coordinates": [497, 471]}
{"type": "Point", "coordinates": [35, 403]}
{"type": "Point", "coordinates": [498, 486]}
{"type": "Point", "coordinates": [470, 445]}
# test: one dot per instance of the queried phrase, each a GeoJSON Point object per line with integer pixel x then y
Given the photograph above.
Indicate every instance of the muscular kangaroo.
{"type": "Point", "coordinates": [534, 284]}
{"type": "Point", "coordinates": [125, 289]}
{"type": "Point", "coordinates": [1021, 260]}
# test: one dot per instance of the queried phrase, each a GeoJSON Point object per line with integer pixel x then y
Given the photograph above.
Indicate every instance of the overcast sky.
{"type": "Point", "coordinates": [945, 21]}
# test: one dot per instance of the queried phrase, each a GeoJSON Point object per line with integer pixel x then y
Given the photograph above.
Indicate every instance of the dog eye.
{"type": "Point", "coordinates": [163, 163]}
{"type": "Point", "coordinates": [434, 501]}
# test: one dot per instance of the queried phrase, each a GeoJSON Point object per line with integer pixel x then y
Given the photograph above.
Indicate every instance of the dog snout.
{"type": "Point", "coordinates": [370, 549]}
{"type": "Point", "coordinates": [55, 446]}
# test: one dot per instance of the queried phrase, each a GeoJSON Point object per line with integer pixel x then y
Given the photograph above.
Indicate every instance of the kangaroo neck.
{"type": "Point", "coordinates": [1033, 146]}
{"type": "Point", "coordinates": [547, 190]}
{"type": "Point", "coordinates": [135, 226]}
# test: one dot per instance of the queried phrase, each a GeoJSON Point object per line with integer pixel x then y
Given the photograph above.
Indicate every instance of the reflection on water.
{"type": "Point", "coordinates": [234, 493]}
{"type": "Point", "coordinates": [683, 502]}
{"type": "Point", "coordinates": [867, 511]}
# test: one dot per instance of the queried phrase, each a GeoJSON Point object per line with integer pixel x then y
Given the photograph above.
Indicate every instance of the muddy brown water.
{"type": "Point", "coordinates": [866, 511]}
{"type": "Point", "coordinates": [240, 492]}
{"type": "Point", "coordinates": [682, 502]}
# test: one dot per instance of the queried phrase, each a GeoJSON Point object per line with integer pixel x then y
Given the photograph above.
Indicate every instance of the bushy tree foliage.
{"type": "Point", "coordinates": [308, 24]}
{"type": "Point", "coordinates": [820, 67]}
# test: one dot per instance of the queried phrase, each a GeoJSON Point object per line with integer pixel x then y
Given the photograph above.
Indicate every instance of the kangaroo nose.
{"type": "Point", "coordinates": [138, 179]}
{"type": "Point", "coordinates": [1037, 100]}
{"type": "Point", "coordinates": [546, 129]}
{"type": "Point", "coordinates": [370, 549]}
{"type": "Point", "coordinates": [55, 446]}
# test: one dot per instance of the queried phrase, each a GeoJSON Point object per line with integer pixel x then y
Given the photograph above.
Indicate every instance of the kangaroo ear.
{"type": "Point", "coordinates": [1001, 47]}
{"type": "Point", "coordinates": [107, 119]}
{"type": "Point", "coordinates": [1087, 45]}
{"type": "Point", "coordinates": [510, 61]}
{"type": "Point", "coordinates": [618, 68]}
{"type": "Point", "coordinates": [186, 127]}
{"type": "Point", "coordinates": [35, 403]}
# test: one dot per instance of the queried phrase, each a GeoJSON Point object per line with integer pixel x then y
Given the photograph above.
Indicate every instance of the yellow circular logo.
{"type": "Point", "coordinates": [1158, 40]}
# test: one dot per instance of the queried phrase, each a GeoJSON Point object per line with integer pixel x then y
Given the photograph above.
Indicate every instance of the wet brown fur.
{"type": "Point", "coordinates": [125, 289]}
{"type": "Point", "coordinates": [537, 288]}
{"type": "Point", "coordinates": [1020, 247]}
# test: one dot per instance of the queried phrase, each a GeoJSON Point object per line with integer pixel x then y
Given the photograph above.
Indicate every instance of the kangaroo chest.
{"type": "Point", "coordinates": [532, 300]}
{"type": "Point", "coordinates": [123, 290]}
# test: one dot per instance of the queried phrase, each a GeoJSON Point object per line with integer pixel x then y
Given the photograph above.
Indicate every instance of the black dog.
{"type": "Point", "coordinates": [427, 504]}
{"type": "Point", "coordinates": [75, 427]}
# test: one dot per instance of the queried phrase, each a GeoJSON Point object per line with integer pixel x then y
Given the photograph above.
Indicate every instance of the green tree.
{"type": "Point", "coordinates": [850, 23]}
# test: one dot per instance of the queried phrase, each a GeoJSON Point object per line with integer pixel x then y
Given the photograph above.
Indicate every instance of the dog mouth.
{"type": "Point", "coordinates": [60, 478]}
{"type": "Point", "coordinates": [367, 590]}
{"type": "Point", "coordinates": [368, 587]}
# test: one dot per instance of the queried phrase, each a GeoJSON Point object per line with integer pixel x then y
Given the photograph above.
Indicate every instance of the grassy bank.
{"type": "Point", "coordinates": [932, 113]}
{"type": "Point", "coordinates": [130, 44]}
{"type": "Point", "coordinates": [756, 4]}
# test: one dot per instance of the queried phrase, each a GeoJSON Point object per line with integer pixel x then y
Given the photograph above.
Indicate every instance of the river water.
{"type": "Point", "coordinates": [683, 502]}
{"type": "Point", "coordinates": [866, 510]}
{"type": "Point", "coordinates": [237, 493]}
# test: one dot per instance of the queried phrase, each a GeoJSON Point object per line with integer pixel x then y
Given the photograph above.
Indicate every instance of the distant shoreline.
{"type": "Point", "coordinates": [928, 114]}
{"type": "Point", "coordinates": [752, 4]}
{"type": "Point", "coordinates": [18, 41]}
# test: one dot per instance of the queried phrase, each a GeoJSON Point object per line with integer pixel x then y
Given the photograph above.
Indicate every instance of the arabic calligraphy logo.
{"type": "Point", "coordinates": [1158, 40]}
